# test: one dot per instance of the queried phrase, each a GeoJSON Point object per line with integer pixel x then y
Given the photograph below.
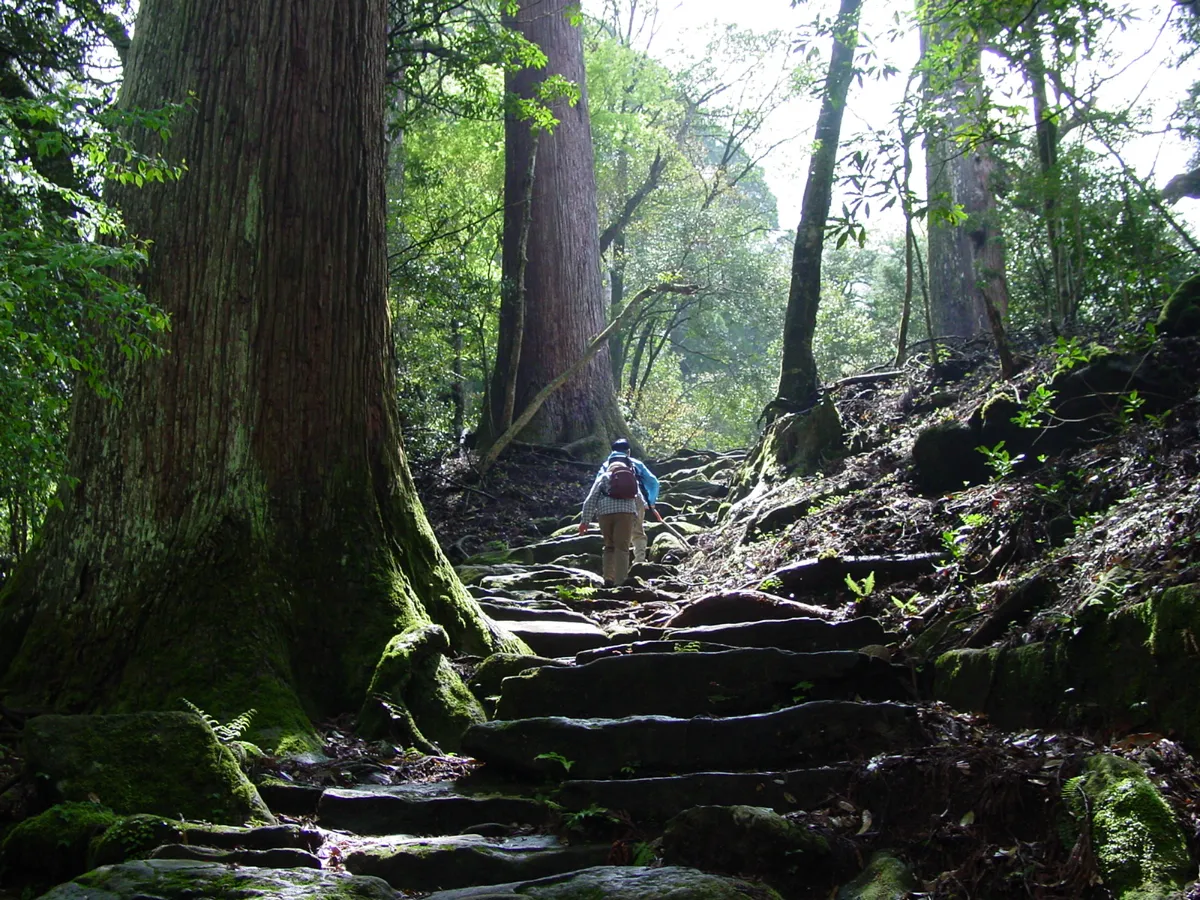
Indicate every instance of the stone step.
{"type": "Point", "coordinates": [685, 684]}
{"type": "Point", "coordinates": [799, 635]}
{"type": "Point", "coordinates": [556, 638]}
{"type": "Point", "coordinates": [437, 808]}
{"type": "Point", "coordinates": [177, 878]}
{"type": "Point", "coordinates": [658, 799]}
{"type": "Point", "coordinates": [824, 731]}
{"type": "Point", "coordinates": [620, 883]}
{"type": "Point", "coordinates": [441, 863]}
{"type": "Point", "coordinates": [530, 611]}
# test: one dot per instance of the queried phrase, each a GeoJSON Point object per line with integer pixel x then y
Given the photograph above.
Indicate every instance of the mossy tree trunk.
{"type": "Point", "coordinates": [563, 304]}
{"type": "Point", "coordinates": [242, 529]}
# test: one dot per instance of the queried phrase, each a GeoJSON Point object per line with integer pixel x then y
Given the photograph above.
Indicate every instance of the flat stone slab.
{"type": "Point", "coordinates": [816, 733]}
{"type": "Point", "coordinates": [799, 635]}
{"type": "Point", "coordinates": [685, 684]}
{"type": "Point", "coordinates": [530, 611]}
{"type": "Point", "coordinates": [430, 864]}
{"type": "Point", "coordinates": [519, 578]}
{"type": "Point", "coordinates": [436, 808]}
{"type": "Point", "coordinates": [554, 639]}
{"type": "Point", "coordinates": [736, 607]}
{"type": "Point", "coordinates": [661, 798]}
{"type": "Point", "coordinates": [279, 858]}
{"type": "Point", "coordinates": [621, 883]}
{"type": "Point", "coordinates": [171, 879]}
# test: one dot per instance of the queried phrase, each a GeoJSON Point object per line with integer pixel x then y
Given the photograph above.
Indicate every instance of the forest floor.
{"type": "Point", "coordinates": [1113, 518]}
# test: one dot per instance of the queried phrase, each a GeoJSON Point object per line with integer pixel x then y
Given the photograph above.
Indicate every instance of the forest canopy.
{"type": "Point", "coordinates": [688, 137]}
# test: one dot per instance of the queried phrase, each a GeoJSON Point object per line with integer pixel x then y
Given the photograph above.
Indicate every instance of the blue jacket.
{"type": "Point", "coordinates": [646, 479]}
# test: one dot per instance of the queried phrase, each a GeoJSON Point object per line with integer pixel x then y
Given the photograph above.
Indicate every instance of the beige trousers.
{"type": "Point", "coordinates": [617, 529]}
{"type": "Point", "coordinates": [639, 536]}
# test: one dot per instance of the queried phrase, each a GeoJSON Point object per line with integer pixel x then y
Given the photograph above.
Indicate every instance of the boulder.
{"type": "Point", "coordinates": [136, 837]}
{"type": "Point", "coordinates": [1180, 316]}
{"type": "Point", "coordinates": [944, 457]}
{"type": "Point", "coordinates": [169, 763]}
{"type": "Point", "coordinates": [620, 883]}
{"type": "Point", "coordinates": [55, 845]}
{"type": "Point", "coordinates": [793, 444]}
{"type": "Point", "coordinates": [485, 683]}
{"type": "Point", "coordinates": [1139, 847]}
{"type": "Point", "coordinates": [416, 697]}
{"type": "Point", "coordinates": [884, 878]}
{"type": "Point", "coordinates": [170, 879]}
{"type": "Point", "coordinates": [749, 840]}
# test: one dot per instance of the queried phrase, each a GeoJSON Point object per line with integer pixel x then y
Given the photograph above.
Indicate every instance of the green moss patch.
{"type": "Point", "coordinates": [166, 763]}
{"type": "Point", "coordinates": [55, 845]}
{"type": "Point", "coordinates": [1138, 844]}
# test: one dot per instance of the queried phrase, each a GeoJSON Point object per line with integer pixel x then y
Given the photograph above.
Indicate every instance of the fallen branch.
{"type": "Point", "coordinates": [575, 368]}
{"type": "Point", "coordinates": [868, 378]}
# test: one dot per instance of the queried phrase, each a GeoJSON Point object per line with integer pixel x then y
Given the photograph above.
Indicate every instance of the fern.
{"type": "Point", "coordinates": [231, 730]}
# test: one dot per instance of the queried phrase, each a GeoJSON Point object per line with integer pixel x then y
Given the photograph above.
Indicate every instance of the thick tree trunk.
{"type": "Point", "coordinates": [564, 305]}
{"type": "Point", "coordinates": [966, 260]}
{"type": "Point", "coordinates": [242, 529]}
{"type": "Point", "coordinates": [798, 379]}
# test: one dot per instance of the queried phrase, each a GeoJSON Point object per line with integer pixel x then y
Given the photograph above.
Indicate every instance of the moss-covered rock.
{"type": "Point", "coordinates": [133, 837]}
{"type": "Point", "coordinates": [1132, 669]}
{"type": "Point", "coordinates": [168, 763]}
{"type": "Point", "coordinates": [416, 697]}
{"type": "Point", "coordinates": [884, 878]}
{"type": "Point", "coordinates": [55, 845]}
{"type": "Point", "coordinates": [485, 683]}
{"type": "Point", "coordinates": [740, 839]}
{"type": "Point", "coordinates": [945, 457]}
{"type": "Point", "coordinates": [171, 879]}
{"type": "Point", "coordinates": [1180, 315]}
{"type": "Point", "coordinates": [795, 444]}
{"type": "Point", "coordinates": [1139, 847]}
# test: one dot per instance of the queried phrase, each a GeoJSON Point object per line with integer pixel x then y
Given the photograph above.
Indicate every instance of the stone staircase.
{"type": "Point", "coordinates": [623, 724]}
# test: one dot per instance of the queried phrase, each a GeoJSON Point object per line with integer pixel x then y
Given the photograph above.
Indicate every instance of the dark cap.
{"type": "Point", "coordinates": [620, 445]}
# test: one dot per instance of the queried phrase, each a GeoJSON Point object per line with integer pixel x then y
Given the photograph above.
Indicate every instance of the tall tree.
{"type": "Point", "coordinates": [798, 377]}
{"type": "Point", "coordinates": [551, 302]}
{"type": "Point", "coordinates": [967, 284]}
{"type": "Point", "coordinates": [241, 529]}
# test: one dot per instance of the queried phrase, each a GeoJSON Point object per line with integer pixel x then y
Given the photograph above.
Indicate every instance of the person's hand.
{"type": "Point", "coordinates": [583, 527]}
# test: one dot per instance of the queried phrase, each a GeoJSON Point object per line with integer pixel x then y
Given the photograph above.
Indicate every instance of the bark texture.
{"type": "Point", "coordinates": [798, 378]}
{"type": "Point", "coordinates": [966, 261]}
{"type": "Point", "coordinates": [563, 304]}
{"type": "Point", "coordinates": [242, 529]}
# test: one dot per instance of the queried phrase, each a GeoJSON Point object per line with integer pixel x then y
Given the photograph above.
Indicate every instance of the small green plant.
{"type": "Point", "coordinates": [801, 690]}
{"type": "Point", "coordinates": [1131, 405]}
{"type": "Point", "coordinates": [576, 820]}
{"type": "Point", "coordinates": [687, 647]}
{"type": "Point", "coordinates": [861, 589]}
{"type": "Point", "coordinates": [999, 461]}
{"type": "Point", "coordinates": [770, 584]}
{"type": "Point", "coordinates": [231, 730]}
{"type": "Point", "coordinates": [1037, 409]}
{"type": "Point", "coordinates": [1068, 353]}
{"type": "Point", "coordinates": [558, 758]}
{"type": "Point", "coordinates": [955, 539]}
{"type": "Point", "coordinates": [575, 592]}
{"type": "Point", "coordinates": [643, 854]}
{"type": "Point", "coordinates": [630, 768]}
{"type": "Point", "coordinates": [908, 607]}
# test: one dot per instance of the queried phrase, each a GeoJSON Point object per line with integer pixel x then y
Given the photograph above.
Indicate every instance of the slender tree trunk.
{"type": "Point", "coordinates": [564, 305]}
{"type": "Point", "coordinates": [798, 378]}
{"type": "Point", "coordinates": [242, 529]}
{"type": "Point", "coordinates": [616, 281]}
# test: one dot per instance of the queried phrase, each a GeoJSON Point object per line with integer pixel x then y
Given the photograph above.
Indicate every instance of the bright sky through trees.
{"type": "Point", "coordinates": [1141, 74]}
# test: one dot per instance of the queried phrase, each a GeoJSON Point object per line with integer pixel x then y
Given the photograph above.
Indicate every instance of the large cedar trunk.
{"type": "Point", "coordinates": [563, 303]}
{"type": "Point", "coordinates": [242, 528]}
{"type": "Point", "coordinates": [966, 261]}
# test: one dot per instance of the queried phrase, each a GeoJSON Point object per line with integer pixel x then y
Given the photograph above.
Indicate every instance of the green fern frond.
{"type": "Point", "coordinates": [231, 730]}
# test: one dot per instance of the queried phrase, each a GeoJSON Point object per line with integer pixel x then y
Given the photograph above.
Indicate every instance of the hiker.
{"type": "Point", "coordinates": [647, 484]}
{"type": "Point", "coordinates": [616, 502]}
